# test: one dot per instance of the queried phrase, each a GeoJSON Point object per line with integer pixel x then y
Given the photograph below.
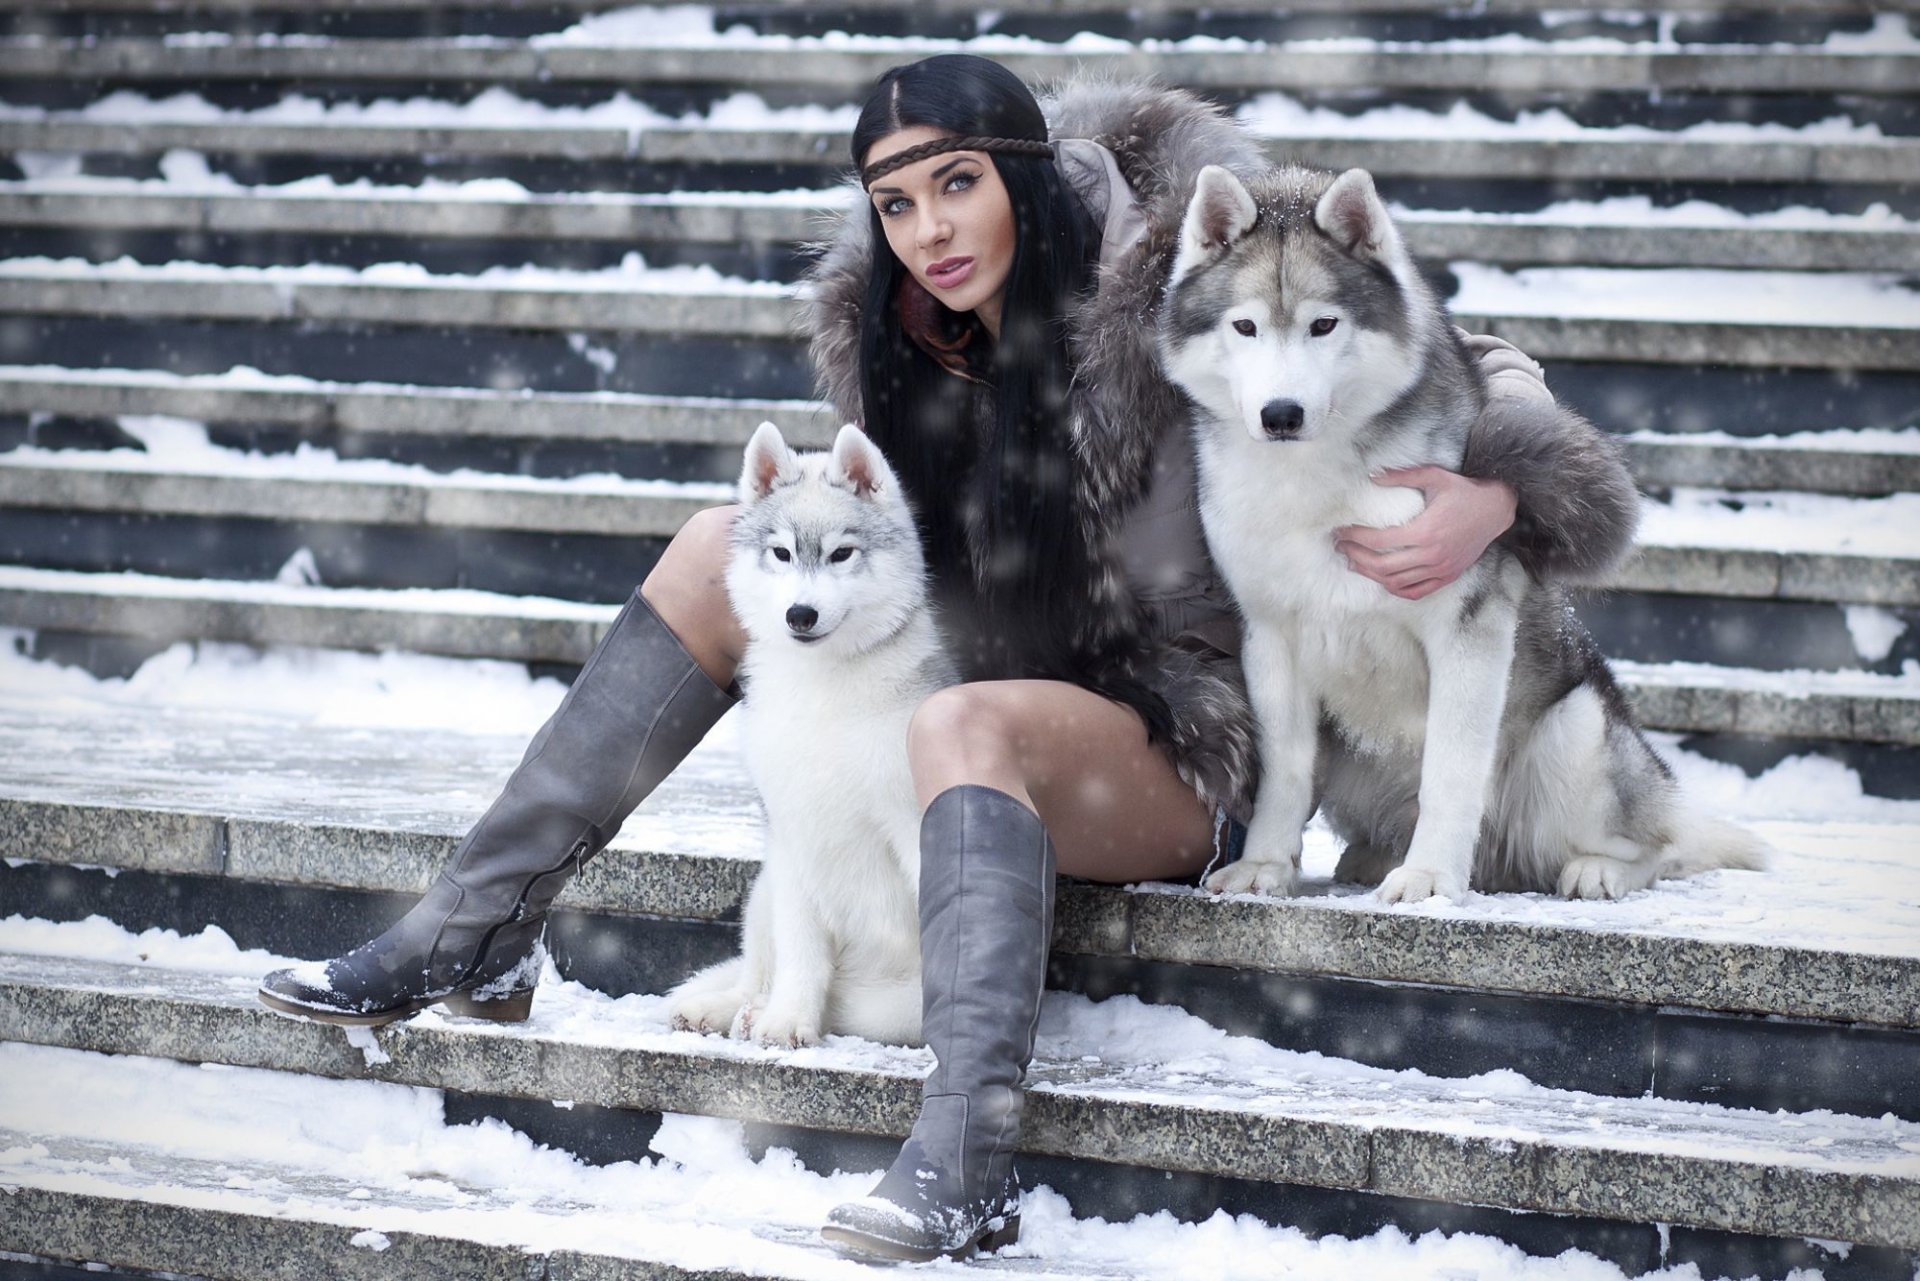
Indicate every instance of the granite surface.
{"type": "Point", "coordinates": [1872, 161]}
{"type": "Point", "coordinates": [1832, 933]}
{"type": "Point", "coordinates": [621, 216]}
{"type": "Point", "coordinates": [1510, 70]}
{"type": "Point", "coordinates": [1464, 1141]}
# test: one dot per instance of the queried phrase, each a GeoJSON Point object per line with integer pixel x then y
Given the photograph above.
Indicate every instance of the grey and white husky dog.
{"type": "Point", "coordinates": [1474, 736]}
{"type": "Point", "coordinates": [827, 579]}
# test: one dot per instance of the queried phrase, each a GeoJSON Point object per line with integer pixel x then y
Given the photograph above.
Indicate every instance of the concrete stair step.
{"type": "Point", "coordinates": [1628, 322]}
{"type": "Point", "coordinates": [1795, 462]}
{"type": "Point", "coordinates": [410, 410]}
{"type": "Point", "coordinates": [612, 508]}
{"type": "Point", "coordinates": [466, 624]}
{"type": "Point", "coordinates": [1829, 462]}
{"type": "Point", "coordinates": [726, 218]}
{"type": "Point", "coordinates": [1619, 156]}
{"type": "Point", "coordinates": [271, 799]}
{"type": "Point", "coordinates": [1710, 552]}
{"type": "Point", "coordinates": [1511, 1146]}
{"type": "Point", "coordinates": [843, 65]}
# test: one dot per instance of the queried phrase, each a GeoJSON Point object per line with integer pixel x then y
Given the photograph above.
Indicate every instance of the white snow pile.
{"type": "Point", "coordinates": [1761, 520]}
{"type": "Point", "coordinates": [1282, 115]}
{"type": "Point", "coordinates": [633, 274]}
{"type": "Point", "coordinates": [176, 445]}
{"type": "Point", "coordinates": [1839, 440]}
{"type": "Point", "coordinates": [493, 108]}
{"type": "Point", "coordinates": [1641, 211]}
{"type": "Point", "coordinates": [1705, 295]}
{"type": "Point", "coordinates": [301, 686]}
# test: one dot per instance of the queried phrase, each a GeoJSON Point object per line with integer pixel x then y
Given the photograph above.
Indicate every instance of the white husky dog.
{"type": "Point", "coordinates": [827, 579]}
{"type": "Point", "coordinates": [1475, 735]}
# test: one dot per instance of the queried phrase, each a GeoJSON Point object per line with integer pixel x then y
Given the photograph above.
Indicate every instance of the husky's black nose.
{"type": "Point", "coordinates": [1282, 419]}
{"type": "Point", "coordinates": [801, 618]}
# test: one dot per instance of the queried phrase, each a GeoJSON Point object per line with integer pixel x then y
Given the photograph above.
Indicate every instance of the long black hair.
{"type": "Point", "coordinates": [1031, 576]}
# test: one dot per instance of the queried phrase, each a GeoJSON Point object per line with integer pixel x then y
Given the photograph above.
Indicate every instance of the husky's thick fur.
{"type": "Point", "coordinates": [827, 579]}
{"type": "Point", "coordinates": [1474, 736]}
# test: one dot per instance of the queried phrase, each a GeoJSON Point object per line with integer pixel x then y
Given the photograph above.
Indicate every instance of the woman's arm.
{"type": "Point", "coordinates": [1535, 473]}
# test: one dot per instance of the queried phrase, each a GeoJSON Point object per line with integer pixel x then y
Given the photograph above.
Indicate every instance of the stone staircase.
{"type": "Point", "coordinates": [418, 327]}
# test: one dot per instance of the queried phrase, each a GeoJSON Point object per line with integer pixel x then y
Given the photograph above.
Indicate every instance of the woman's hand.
{"type": "Point", "coordinates": [1418, 558]}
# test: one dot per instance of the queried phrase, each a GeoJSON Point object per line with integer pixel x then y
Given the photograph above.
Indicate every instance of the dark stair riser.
{"type": "Point", "coordinates": [1596, 1047]}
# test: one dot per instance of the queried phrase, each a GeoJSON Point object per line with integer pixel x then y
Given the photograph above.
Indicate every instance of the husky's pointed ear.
{"type": "Point", "coordinates": [1220, 213]}
{"type": "Point", "coordinates": [769, 462]}
{"type": "Point", "coordinates": [1352, 213]}
{"type": "Point", "coordinates": [859, 462]}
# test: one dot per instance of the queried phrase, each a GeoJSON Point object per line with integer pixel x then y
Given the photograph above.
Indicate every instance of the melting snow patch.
{"type": "Point", "coordinates": [371, 1240]}
{"type": "Point", "coordinates": [1874, 630]}
{"type": "Point", "coordinates": [363, 1040]}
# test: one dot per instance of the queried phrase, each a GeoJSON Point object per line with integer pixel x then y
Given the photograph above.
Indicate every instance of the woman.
{"type": "Point", "coordinates": [999, 348]}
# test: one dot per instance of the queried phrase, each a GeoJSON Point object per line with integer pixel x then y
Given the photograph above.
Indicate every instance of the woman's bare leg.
{"type": "Point", "coordinates": [1112, 802]}
{"type": "Point", "coordinates": [688, 589]}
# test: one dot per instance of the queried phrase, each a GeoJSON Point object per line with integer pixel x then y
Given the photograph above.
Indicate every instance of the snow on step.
{"type": "Point", "coordinates": [1837, 461]}
{"type": "Point", "coordinates": [1782, 545]}
{"type": "Point", "coordinates": [429, 620]}
{"type": "Point", "coordinates": [479, 210]}
{"type": "Point", "coordinates": [247, 395]}
{"type": "Point", "coordinates": [1392, 142]}
{"type": "Point", "coordinates": [842, 61]}
{"type": "Point", "coordinates": [318, 486]}
{"type": "Point", "coordinates": [1867, 321]}
{"type": "Point", "coordinates": [1790, 546]}
{"type": "Point", "coordinates": [318, 769]}
{"type": "Point", "coordinates": [388, 1188]}
{"type": "Point", "coordinates": [1119, 1081]}
{"type": "Point", "coordinates": [1833, 461]}
{"type": "Point", "coordinates": [1702, 697]}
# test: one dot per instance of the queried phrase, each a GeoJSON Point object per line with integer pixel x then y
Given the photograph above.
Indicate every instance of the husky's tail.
{"type": "Point", "coordinates": [1705, 844]}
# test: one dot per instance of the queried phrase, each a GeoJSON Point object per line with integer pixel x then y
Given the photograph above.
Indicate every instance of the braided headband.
{"type": "Point", "coordinates": [900, 159]}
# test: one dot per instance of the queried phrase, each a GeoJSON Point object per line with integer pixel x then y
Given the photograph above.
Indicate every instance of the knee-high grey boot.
{"type": "Point", "coordinates": [638, 706]}
{"type": "Point", "coordinates": [986, 920]}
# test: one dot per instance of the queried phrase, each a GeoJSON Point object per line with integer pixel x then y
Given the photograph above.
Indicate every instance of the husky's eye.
{"type": "Point", "coordinates": [1245, 328]}
{"type": "Point", "coordinates": [1322, 327]}
{"type": "Point", "coordinates": [840, 555]}
{"type": "Point", "coordinates": [781, 554]}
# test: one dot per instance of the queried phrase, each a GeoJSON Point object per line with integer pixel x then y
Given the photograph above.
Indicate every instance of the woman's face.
{"type": "Point", "coordinates": [949, 221]}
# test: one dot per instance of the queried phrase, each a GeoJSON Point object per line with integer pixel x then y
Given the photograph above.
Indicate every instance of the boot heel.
{"type": "Point", "coordinates": [514, 1007]}
{"type": "Point", "coordinates": [1002, 1237]}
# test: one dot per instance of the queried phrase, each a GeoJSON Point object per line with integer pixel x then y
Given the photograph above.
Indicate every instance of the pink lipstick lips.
{"type": "Point", "coordinates": [950, 272]}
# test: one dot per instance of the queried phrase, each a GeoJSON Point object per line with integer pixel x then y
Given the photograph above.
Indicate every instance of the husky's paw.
{"type": "Point", "coordinates": [1415, 884]}
{"type": "Point", "coordinates": [1596, 876]}
{"type": "Point", "coordinates": [783, 1029]}
{"type": "Point", "coordinates": [1253, 876]}
{"type": "Point", "coordinates": [709, 1012]}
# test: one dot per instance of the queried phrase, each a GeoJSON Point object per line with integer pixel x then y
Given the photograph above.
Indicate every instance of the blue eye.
{"type": "Point", "coordinates": [891, 206]}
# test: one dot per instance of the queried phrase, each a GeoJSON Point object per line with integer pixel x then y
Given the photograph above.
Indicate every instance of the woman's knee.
{"type": "Point", "coordinates": [966, 734]}
{"type": "Point", "coordinates": [696, 556]}
{"type": "Point", "coordinates": [687, 587]}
